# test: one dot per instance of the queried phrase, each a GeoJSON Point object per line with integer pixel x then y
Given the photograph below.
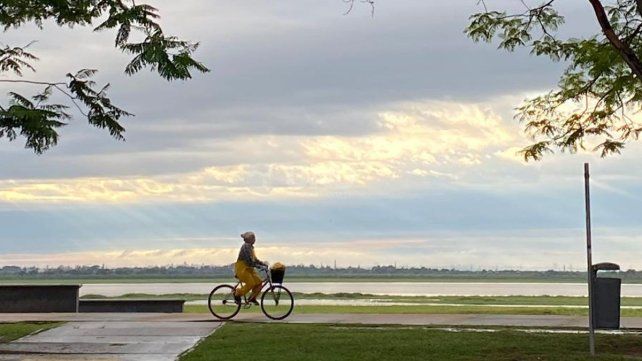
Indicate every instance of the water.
{"type": "Point", "coordinates": [375, 288]}
{"type": "Point", "coordinates": [384, 302]}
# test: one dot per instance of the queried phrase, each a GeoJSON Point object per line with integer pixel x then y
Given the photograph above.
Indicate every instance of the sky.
{"type": "Point", "coordinates": [365, 140]}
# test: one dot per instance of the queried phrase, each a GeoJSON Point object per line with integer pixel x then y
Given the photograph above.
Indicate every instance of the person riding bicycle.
{"type": "Point", "coordinates": [244, 270]}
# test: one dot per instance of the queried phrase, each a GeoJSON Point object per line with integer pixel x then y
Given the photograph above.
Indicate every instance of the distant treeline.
{"type": "Point", "coordinates": [311, 271]}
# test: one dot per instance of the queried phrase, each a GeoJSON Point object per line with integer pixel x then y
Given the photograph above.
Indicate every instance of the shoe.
{"type": "Point", "coordinates": [237, 299]}
{"type": "Point", "coordinates": [253, 301]}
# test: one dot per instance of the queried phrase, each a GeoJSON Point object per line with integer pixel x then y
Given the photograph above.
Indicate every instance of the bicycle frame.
{"type": "Point", "coordinates": [267, 281]}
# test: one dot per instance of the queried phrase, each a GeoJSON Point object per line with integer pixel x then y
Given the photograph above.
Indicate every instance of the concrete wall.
{"type": "Point", "coordinates": [38, 298]}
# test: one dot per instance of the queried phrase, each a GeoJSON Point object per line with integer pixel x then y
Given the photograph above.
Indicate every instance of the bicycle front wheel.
{"type": "Point", "coordinates": [277, 302]}
{"type": "Point", "coordinates": [221, 302]}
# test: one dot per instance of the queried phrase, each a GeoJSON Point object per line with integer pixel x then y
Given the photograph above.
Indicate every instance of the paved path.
{"type": "Point", "coordinates": [160, 337]}
{"type": "Point", "coordinates": [386, 319]}
{"type": "Point", "coordinates": [110, 340]}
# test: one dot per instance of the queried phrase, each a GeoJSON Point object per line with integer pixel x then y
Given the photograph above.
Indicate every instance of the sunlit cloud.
{"type": "Point", "coordinates": [430, 140]}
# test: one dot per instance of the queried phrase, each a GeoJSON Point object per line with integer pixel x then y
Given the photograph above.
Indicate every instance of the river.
{"type": "Point", "coordinates": [375, 288]}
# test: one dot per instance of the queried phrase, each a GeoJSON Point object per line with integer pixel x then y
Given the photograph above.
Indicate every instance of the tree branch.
{"type": "Point", "coordinates": [29, 82]}
{"type": "Point", "coordinates": [351, 6]}
{"type": "Point", "coordinates": [55, 85]}
{"type": "Point", "coordinates": [627, 54]}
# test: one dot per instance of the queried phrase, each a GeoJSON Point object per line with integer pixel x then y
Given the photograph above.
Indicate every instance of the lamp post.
{"type": "Point", "coordinates": [589, 260]}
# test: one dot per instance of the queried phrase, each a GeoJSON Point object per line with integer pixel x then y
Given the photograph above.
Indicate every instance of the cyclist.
{"type": "Point", "coordinates": [244, 269]}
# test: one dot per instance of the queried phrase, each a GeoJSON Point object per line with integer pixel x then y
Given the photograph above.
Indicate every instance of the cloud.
{"type": "Point", "coordinates": [292, 69]}
{"type": "Point", "coordinates": [312, 125]}
{"type": "Point", "coordinates": [431, 139]}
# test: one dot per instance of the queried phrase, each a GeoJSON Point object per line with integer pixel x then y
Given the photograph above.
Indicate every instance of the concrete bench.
{"type": "Point", "coordinates": [38, 298]}
{"type": "Point", "coordinates": [131, 305]}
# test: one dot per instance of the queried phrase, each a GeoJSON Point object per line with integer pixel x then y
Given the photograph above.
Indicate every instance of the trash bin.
{"type": "Point", "coordinates": [606, 297]}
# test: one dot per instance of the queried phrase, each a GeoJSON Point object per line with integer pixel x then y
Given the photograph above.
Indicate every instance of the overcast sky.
{"type": "Point", "coordinates": [365, 140]}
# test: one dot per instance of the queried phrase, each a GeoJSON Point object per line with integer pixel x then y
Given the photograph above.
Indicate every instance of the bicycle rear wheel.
{"type": "Point", "coordinates": [221, 302]}
{"type": "Point", "coordinates": [277, 302]}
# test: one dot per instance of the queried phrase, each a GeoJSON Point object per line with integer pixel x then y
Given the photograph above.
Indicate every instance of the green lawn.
{"type": "Point", "coordinates": [248, 341]}
{"type": "Point", "coordinates": [443, 305]}
{"type": "Point", "coordinates": [429, 305]}
{"type": "Point", "coordinates": [466, 300]}
{"type": "Point", "coordinates": [481, 309]}
{"type": "Point", "coordinates": [13, 331]}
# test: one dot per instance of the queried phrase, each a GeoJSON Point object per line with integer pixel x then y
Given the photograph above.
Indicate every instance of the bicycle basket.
{"type": "Point", "coordinates": [277, 275]}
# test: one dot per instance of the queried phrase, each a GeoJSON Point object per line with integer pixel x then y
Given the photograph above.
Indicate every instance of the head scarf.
{"type": "Point", "coordinates": [248, 235]}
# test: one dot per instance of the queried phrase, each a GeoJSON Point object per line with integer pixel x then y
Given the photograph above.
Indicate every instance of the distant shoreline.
{"type": "Point", "coordinates": [418, 279]}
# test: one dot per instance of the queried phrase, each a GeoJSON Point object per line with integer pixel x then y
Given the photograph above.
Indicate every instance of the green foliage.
{"type": "Point", "coordinates": [167, 55]}
{"type": "Point", "coordinates": [38, 122]}
{"type": "Point", "coordinates": [598, 94]}
{"type": "Point", "coordinates": [101, 113]}
{"type": "Point", "coordinates": [14, 59]}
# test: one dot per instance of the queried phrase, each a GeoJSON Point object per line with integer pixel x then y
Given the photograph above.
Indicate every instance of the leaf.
{"type": "Point", "coordinates": [102, 113]}
{"type": "Point", "coordinates": [15, 59]}
{"type": "Point", "coordinates": [536, 151]}
{"type": "Point", "coordinates": [609, 147]}
{"type": "Point", "coordinates": [171, 58]}
{"type": "Point", "coordinates": [38, 124]}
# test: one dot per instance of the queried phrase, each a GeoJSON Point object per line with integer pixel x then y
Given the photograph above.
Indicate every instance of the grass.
{"type": "Point", "coordinates": [244, 341]}
{"type": "Point", "coordinates": [438, 305]}
{"type": "Point", "coordinates": [426, 305]}
{"type": "Point", "coordinates": [468, 300]}
{"type": "Point", "coordinates": [443, 305]}
{"type": "Point", "coordinates": [13, 331]}
{"type": "Point", "coordinates": [472, 309]}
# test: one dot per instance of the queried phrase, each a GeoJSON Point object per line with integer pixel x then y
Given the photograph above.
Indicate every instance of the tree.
{"type": "Point", "coordinates": [599, 92]}
{"type": "Point", "coordinates": [350, 4]}
{"type": "Point", "coordinates": [36, 118]}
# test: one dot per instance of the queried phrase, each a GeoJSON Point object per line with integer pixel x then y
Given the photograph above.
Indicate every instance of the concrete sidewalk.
{"type": "Point", "coordinates": [371, 319]}
{"type": "Point", "coordinates": [110, 340]}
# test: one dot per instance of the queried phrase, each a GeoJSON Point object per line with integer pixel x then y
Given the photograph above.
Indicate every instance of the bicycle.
{"type": "Point", "coordinates": [276, 301]}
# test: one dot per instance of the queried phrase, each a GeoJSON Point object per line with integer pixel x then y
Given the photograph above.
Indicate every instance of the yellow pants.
{"type": "Point", "coordinates": [249, 278]}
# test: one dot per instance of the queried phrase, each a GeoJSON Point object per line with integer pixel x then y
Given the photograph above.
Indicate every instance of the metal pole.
{"type": "Point", "coordinates": [589, 257]}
